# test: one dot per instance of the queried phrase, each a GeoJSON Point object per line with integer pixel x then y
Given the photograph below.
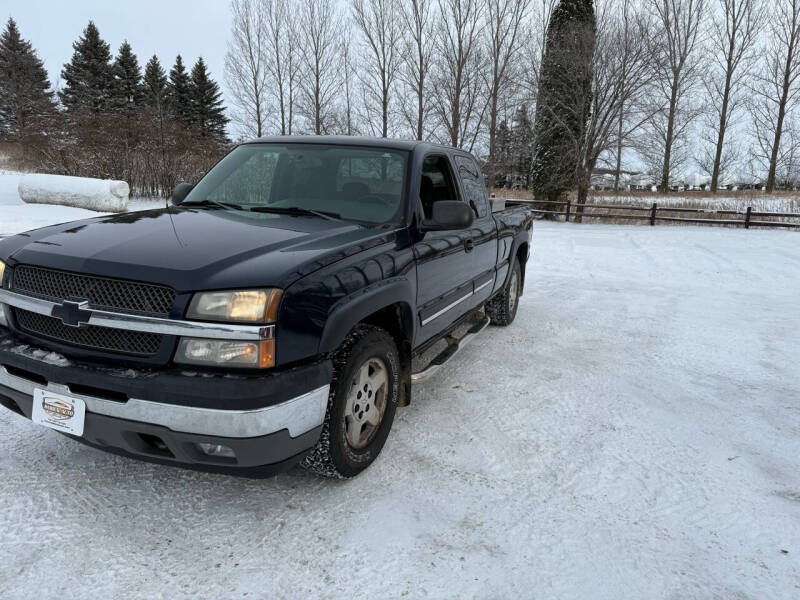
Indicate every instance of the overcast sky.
{"type": "Point", "coordinates": [191, 28]}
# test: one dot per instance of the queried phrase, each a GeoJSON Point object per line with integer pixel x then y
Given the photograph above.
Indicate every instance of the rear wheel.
{"type": "Point", "coordinates": [503, 308]}
{"type": "Point", "coordinates": [361, 405]}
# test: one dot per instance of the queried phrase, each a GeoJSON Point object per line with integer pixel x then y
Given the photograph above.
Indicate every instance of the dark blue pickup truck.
{"type": "Point", "coordinates": [270, 315]}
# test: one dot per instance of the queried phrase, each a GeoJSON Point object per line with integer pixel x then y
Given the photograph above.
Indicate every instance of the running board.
{"type": "Point", "coordinates": [454, 345]}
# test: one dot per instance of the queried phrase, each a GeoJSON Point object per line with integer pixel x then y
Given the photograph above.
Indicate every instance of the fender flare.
{"type": "Point", "coordinates": [519, 240]}
{"type": "Point", "coordinates": [354, 308]}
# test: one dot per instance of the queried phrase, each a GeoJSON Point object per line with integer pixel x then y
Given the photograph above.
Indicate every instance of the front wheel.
{"type": "Point", "coordinates": [503, 308]}
{"type": "Point", "coordinates": [361, 405]}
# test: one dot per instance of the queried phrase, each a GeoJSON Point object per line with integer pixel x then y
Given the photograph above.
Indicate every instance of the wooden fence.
{"type": "Point", "coordinates": [743, 218]}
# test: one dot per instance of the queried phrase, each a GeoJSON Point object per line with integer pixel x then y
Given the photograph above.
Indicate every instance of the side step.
{"type": "Point", "coordinates": [454, 345]}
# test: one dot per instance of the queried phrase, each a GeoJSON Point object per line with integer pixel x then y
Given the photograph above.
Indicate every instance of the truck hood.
{"type": "Point", "coordinates": [193, 249]}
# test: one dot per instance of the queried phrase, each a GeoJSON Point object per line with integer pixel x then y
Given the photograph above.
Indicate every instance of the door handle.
{"type": "Point", "coordinates": [469, 245]}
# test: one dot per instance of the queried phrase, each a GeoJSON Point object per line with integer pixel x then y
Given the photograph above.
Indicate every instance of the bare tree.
{"type": "Point", "coordinates": [634, 31]}
{"type": "Point", "coordinates": [533, 46]}
{"type": "Point", "coordinates": [621, 71]}
{"type": "Point", "coordinates": [283, 64]}
{"type": "Point", "coordinates": [380, 25]}
{"type": "Point", "coordinates": [320, 43]}
{"type": "Point", "coordinates": [418, 49]}
{"type": "Point", "coordinates": [734, 34]}
{"type": "Point", "coordinates": [245, 63]}
{"type": "Point", "coordinates": [774, 88]}
{"type": "Point", "coordinates": [679, 69]}
{"type": "Point", "coordinates": [503, 41]}
{"type": "Point", "coordinates": [517, 127]}
{"type": "Point", "coordinates": [348, 83]}
{"type": "Point", "coordinates": [458, 87]}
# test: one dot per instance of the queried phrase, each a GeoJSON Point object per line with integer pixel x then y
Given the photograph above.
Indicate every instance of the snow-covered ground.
{"type": "Point", "coordinates": [16, 216]}
{"type": "Point", "coordinates": [634, 434]}
{"type": "Point", "coordinates": [757, 200]}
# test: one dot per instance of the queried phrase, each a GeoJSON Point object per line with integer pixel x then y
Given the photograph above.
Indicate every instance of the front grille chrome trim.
{"type": "Point", "coordinates": [147, 324]}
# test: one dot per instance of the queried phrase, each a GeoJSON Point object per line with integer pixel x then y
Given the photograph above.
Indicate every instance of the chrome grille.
{"type": "Point", "coordinates": [101, 292]}
{"type": "Point", "coordinates": [88, 336]}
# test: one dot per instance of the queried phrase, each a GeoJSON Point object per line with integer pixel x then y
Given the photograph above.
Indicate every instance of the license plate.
{"type": "Point", "coordinates": [58, 411]}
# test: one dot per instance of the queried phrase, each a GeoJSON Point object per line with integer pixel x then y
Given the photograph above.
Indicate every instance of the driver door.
{"type": "Point", "coordinates": [444, 262]}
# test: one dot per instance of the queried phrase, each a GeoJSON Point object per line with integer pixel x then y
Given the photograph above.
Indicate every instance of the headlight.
{"type": "Point", "coordinates": [223, 353]}
{"type": "Point", "coordinates": [231, 306]}
{"type": "Point", "coordinates": [240, 306]}
{"type": "Point", "coordinates": [2, 271]}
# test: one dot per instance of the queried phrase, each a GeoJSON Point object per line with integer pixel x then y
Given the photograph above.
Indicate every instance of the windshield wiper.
{"type": "Point", "coordinates": [297, 210]}
{"type": "Point", "coordinates": [209, 202]}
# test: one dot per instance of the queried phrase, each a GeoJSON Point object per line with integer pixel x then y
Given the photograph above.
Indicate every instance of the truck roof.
{"type": "Point", "coordinates": [346, 140]}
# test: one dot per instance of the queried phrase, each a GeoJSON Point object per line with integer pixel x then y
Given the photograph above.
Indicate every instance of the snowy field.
{"type": "Point", "coordinates": [758, 201]}
{"type": "Point", "coordinates": [634, 434]}
{"type": "Point", "coordinates": [16, 216]}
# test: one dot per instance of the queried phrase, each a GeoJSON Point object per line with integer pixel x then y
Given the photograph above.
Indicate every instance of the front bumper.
{"type": "Point", "coordinates": [268, 421]}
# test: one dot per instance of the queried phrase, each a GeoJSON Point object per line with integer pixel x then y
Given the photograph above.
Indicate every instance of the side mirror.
{"type": "Point", "coordinates": [180, 192]}
{"type": "Point", "coordinates": [450, 214]}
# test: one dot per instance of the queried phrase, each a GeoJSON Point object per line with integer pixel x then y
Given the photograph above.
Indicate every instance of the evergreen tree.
{"type": "Point", "coordinates": [565, 89]}
{"type": "Point", "coordinates": [521, 147]}
{"type": "Point", "coordinates": [208, 113]}
{"type": "Point", "coordinates": [89, 81]}
{"type": "Point", "coordinates": [128, 90]}
{"type": "Point", "coordinates": [502, 163]}
{"type": "Point", "coordinates": [154, 84]}
{"type": "Point", "coordinates": [25, 94]}
{"type": "Point", "coordinates": [179, 92]}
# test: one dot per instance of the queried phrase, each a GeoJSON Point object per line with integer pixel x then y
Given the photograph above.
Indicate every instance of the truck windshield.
{"type": "Point", "coordinates": [352, 183]}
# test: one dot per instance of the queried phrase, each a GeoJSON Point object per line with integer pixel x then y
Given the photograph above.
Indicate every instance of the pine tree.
{"type": "Point", "coordinates": [179, 92]}
{"type": "Point", "coordinates": [89, 81]}
{"type": "Point", "coordinates": [154, 84]}
{"type": "Point", "coordinates": [128, 90]}
{"type": "Point", "coordinates": [502, 163]}
{"type": "Point", "coordinates": [208, 112]}
{"type": "Point", "coordinates": [25, 94]}
{"type": "Point", "coordinates": [562, 107]}
{"type": "Point", "coordinates": [521, 146]}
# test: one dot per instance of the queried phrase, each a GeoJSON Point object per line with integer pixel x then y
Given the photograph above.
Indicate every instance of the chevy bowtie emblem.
{"type": "Point", "coordinates": [73, 314]}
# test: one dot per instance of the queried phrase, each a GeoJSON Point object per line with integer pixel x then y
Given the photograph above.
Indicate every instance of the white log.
{"type": "Point", "coordinates": [104, 195]}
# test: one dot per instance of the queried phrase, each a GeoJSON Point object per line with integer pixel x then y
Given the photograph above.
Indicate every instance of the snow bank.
{"type": "Point", "coordinates": [82, 192]}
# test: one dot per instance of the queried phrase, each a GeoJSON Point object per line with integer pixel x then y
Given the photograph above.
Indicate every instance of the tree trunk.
{"type": "Point", "coordinates": [385, 114]}
{"type": "Point", "coordinates": [776, 144]}
{"type": "Point", "coordinates": [723, 125]}
{"type": "Point", "coordinates": [619, 150]}
{"type": "Point", "coordinates": [420, 109]}
{"type": "Point", "coordinates": [584, 182]}
{"type": "Point", "coordinates": [490, 167]}
{"type": "Point", "coordinates": [723, 117]}
{"type": "Point", "coordinates": [670, 136]}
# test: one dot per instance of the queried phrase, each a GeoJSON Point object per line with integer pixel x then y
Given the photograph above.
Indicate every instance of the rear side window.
{"type": "Point", "coordinates": [473, 185]}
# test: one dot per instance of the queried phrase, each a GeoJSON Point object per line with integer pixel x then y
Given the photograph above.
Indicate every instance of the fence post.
{"type": "Point", "coordinates": [747, 217]}
{"type": "Point", "coordinates": [653, 214]}
{"type": "Point", "coordinates": [566, 213]}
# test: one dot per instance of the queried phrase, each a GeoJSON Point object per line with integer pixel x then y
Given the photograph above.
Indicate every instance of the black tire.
{"type": "Point", "coordinates": [334, 456]}
{"type": "Point", "coordinates": [502, 309]}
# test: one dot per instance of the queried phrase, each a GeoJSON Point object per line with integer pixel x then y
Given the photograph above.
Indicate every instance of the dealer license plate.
{"type": "Point", "coordinates": [57, 411]}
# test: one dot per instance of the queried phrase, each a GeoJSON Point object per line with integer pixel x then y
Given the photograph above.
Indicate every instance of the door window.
{"type": "Point", "coordinates": [436, 184]}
